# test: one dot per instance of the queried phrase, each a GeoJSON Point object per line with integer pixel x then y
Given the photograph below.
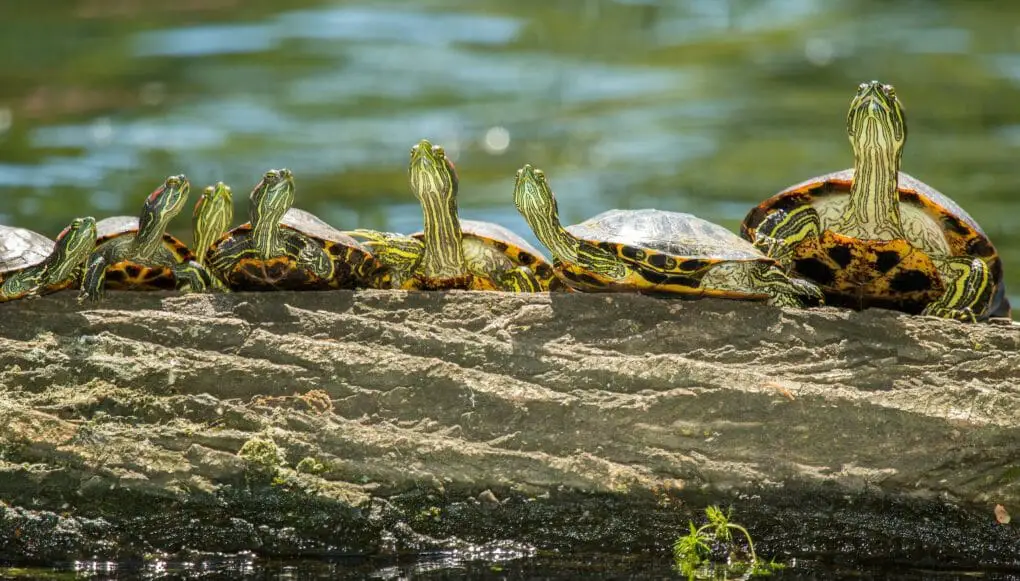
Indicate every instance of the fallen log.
{"type": "Point", "coordinates": [378, 422]}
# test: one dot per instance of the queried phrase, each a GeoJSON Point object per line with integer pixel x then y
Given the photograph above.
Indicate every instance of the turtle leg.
{"type": "Point", "coordinates": [20, 285]}
{"type": "Point", "coordinates": [400, 254]}
{"type": "Point", "coordinates": [93, 283]}
{"type": "Point", "coordinates": [780, 232]}
{"type": "Point", "coordinates": [754, 278]}
{"type": "Point", "coordinates": [192, 277]}
{"type": "Point", "coordinates": [968, 289]}
{"type": "Point", "coordinates": [519, 280]}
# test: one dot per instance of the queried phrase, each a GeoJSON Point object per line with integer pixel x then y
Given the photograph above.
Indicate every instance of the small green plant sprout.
{"type": "Point", "coordinates": [262, 458]}
{"type": "Point", "coordinates": [310, 465]}
{"type": "Point", "coordinates": [692, 553]}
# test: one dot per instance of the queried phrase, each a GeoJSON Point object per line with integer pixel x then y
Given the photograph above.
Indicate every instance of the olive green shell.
{"type": "Point", "coordinates": [354, 266]}
{"type": "Point", "coordinates": [964, 235]}
{"type": "Point", "coordinates": [665, 252]}
{"type": "Point", "coordinates": [637, 236]}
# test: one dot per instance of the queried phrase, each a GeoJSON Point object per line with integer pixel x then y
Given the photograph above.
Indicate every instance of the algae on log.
{"type": "Point", "coordinates": [382, 421]}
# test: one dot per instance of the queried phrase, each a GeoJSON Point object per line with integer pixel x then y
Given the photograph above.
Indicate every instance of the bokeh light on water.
{"type": "Point", "coordinates": [684, 105]}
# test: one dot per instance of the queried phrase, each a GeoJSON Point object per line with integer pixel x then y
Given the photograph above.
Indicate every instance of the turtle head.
{"type": "Point", "coordinates": [431, 174]}
{"type": "Point", "coordinates": [73, 246]}
{"type": "Point", "coordinates": [876, 119]}
{"type": "Point", "coordinates": [214, 199]}
{"type": "Point", "coordinates": [161, 206]}
{"type": "Point", "coordinates": [271, 198]}
{"type": "Point", "coordinates": [533, 196]}
{"type": "Point", "coordinates": [214, 211]}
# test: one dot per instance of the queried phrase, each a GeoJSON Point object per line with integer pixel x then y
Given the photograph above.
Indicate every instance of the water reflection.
{"type": "Point", "coordinates": [682, 105]}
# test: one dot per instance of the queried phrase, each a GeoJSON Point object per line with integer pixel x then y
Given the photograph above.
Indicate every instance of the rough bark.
{"type": "Point", "coordinates": [574, 422]}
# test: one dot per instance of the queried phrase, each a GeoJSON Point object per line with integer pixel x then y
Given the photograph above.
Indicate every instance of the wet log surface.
{"type": "Point", "coordinates": [379, 422]}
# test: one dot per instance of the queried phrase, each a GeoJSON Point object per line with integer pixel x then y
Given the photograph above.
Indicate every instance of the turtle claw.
{"type": "Point", "coordinates": [965, 314]}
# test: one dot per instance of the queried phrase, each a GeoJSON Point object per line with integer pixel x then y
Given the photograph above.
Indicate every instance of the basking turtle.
{"type": "Point", "coordinates": [284, 248]}
{"type": "Point", "coordinates": [214, 211]}
{"type": "Point", "coordinates": [451, 253]}
{"type": "Point", "coordinates": [33, 265]}
{"type": "Point", "coordinates": [872, 236]}
{"type": "Point", "coordinates": [654, 251]}
{"type": "Point", "coordinates": [138, 254]}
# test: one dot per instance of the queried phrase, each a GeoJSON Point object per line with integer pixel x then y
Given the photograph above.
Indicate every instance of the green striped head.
{"type": "Point", "coordinates": [432, 176]}
{"type": "Point", "coordinates": [72, 248]}
{"type": "Point", "coordinates": [534, 198]}
{"type": "Point", "coordinates": [876, 119]}
{"type": "Point", "coordinates": [271, 197]}
{"type": "Point", "coordinates": [162, 205]}
{"type": "Point", "coordinates": [214, 211]}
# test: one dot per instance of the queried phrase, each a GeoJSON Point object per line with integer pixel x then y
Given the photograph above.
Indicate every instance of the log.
{"type": "Point", "coordinates": [382, 422]}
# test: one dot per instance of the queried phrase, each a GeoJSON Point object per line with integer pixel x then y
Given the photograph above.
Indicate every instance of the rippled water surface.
{"type": "Point", "coordinates": [684, 105]}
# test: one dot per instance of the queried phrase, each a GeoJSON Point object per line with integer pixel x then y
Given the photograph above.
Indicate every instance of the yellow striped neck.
{"type": "Point", "coordinates": [265, 234]}
{"type": "Point", "coordinates": [873, 211]}
{"type": "Point", "coordinates": [545, 223]}
{"type": "Point", "coordinates": [444, 253]}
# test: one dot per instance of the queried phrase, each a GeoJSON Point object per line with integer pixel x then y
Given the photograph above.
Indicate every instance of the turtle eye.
{"type": "Point", "coordinates": [540, 175]}
{"type": "Point", "coordinates": [862, 86]}
{"type": "Point", "coordinates": [889, 91]}
{"type": "Point", "coordinates": [271, 174]}
{"type": "Point", "coordinates": [438, 151]}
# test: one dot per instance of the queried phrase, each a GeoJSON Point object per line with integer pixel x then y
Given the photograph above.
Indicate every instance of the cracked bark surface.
{"type": "Point", "coordinates": [578, 422]}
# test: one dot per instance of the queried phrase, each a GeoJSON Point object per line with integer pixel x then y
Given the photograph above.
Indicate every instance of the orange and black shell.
{"type": "Point", "coordinates": [353, 265]}
{"type": "Point", "coordinates": [891, 274]}
{"type": "Point", "coordinates": [128, 274]}
{"type": "Point", "coordinates": [511, 245]}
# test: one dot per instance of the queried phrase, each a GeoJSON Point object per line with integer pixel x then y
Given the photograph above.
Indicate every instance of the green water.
{"type": "Point", "coordinates": [705, 107]}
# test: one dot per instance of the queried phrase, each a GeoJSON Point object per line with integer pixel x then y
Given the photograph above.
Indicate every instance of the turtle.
{"type": "Point", "coordinates": [213, 213]}
{"type": "Point", "coordinates": [285, 248]}
{"type": "Point", "coordinates": [872, 236]}
{"type": "Point", "coordinates": [138, 254]}
{"type": "Point", "coordinates": [451, 253]}
{"type": "Point", "coordinates": [33, 265]}
{"type": "Point", "coordinates": [655, 252]}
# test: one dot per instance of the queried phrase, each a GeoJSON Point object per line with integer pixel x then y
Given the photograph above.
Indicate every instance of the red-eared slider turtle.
{"type": "Point", "coordinates": [214, 211]}
{"type": "Point", "coordinates": [451, 253]}
{"type": "Point", "coordinates": [284, 248]}
{"type": "Point", "coordinates": [33, 265]}
{"type": "Point", "coordinates": [654, 251]}
{"type": "Point", "coordinates": [138, 254]}
{"type": "Point", "coordinates": [872, 236]}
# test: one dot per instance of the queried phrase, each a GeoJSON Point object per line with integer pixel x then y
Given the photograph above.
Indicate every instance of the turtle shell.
{"type": "Point", "coordinates": [667, 252]}
{"type": "Point", "coordinates": [354, 266]}
{"type": "Point", "coordinates": [516, 249]}
{"type": "Point", "coordinates": [129, 274]}
{"type": "Point", "coordinates": [892, 274]}
{"type": "Point", "coordinates": [21, 248]}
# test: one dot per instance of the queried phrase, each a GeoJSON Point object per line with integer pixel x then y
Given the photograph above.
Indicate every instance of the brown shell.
{"type": "Point", "coordinates": [355, 267]}
{"type": "Point", "coordinates": [964, 235]}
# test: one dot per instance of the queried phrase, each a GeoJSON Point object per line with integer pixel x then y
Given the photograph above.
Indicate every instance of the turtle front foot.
{"type": "Point", "coordinates": [86, 298]}
{"type": "Point", "coordinates": [966, 314]}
